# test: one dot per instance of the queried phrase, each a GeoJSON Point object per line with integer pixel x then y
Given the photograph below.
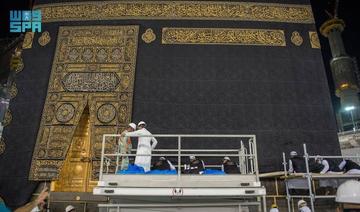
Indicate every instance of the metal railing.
{"type": "Point", "coordinates": [240, 206]}
{"type": "Point", "coordinates": [245, 153]}
{"type": "Point", "coordinates": [310, 177]}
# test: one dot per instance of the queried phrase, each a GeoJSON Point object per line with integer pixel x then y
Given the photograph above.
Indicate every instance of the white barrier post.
{"type": "Point", "coordinates": [102, 157]}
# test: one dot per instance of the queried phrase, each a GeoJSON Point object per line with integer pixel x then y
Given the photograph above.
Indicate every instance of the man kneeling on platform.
{"type": "Point", "coordinates": [349, 167]}
{"type": "Point", "coordinates": [196, 166]}
{"type": "Point", "coordinates": [329, 165]}
{"type": "Point", "coordinates": [229, 167]}
{"type": "Point", "coordinates": [163, 164]}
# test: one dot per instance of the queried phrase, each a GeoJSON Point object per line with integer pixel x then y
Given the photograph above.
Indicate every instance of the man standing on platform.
{"type": "Point", "coordinates": [144, 148]}
{"type": "Point", "coordinates": [124, 146]}
{"type": "Point", "coordinates": [296, 163]}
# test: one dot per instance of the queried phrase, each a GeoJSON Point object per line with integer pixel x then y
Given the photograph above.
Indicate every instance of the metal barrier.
{"type": "Point", "coordinates": [185, 207]}
{"type": "Point", "coordinates": [310, 177]}
{"type": "Point", "coordinates": [243, 190]}
{"type": "Point", "coordinates": [246, 154]}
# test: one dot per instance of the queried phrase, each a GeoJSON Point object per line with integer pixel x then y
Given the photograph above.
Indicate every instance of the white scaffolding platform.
{"type": "Point", "coordinates": [229, 192]}
{"type": "Point", "coordinates": [307, 180]}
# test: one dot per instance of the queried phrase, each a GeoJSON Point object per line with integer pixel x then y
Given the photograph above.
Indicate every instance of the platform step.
{"type": "Point", "coordinates": [170, 181]}
{"type": "Point", "coordinates": [205, 192]}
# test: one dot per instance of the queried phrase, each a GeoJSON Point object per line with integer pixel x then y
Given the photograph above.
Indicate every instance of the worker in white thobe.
{"type": "Point", "coordinates": [145, 146]}
{"type": "Point", "coordinates": [124, 147]}
{"type": "Point", "coordinates": [302, 205]}
{"type": "Point", "coordinates": [329, 165]}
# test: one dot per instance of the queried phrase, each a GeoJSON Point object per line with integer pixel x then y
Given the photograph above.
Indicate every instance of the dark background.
{"type": "Point", "coordinates": [278, 93]}
{"type": "Point", "coordinates": [348, 11]}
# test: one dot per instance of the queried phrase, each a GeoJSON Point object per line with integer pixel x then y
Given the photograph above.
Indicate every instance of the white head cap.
{"type": "Point", "coordinates": [162, 158]}
{"type": "Point", "coordinates": [141, 123]}
{"type": "Point", "coordinates": [318, 158]}
{"type": "Point", "coordinates": [226, 158]}
{"type": "Point", "coordinates": [192, 157]}
{"type": "Point", "coordinates": [69, 208]}
{"type": "Point", "coordinates": [348, 192]}
{"type": "Point", "coordinates": [293, 153]}
{"type": "Point", "coordinates": [132, 125]}
{"type": "Point", "coordinates": [301, 203]}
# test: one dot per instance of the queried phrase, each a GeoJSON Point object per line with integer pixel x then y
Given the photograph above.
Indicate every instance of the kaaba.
{"type": "Point", "coordinates": [184, 67]}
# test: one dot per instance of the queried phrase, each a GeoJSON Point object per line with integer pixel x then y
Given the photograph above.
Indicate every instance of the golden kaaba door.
{"type": "Point", "coordinates": [89, 94]}
{"type": "Point", "coordinates": [76, 171]}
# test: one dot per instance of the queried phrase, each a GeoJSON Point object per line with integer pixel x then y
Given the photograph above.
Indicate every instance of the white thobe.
{"type": "Point", "coordinates": [353, 171]}
{"type": "Point", "coordinates": [304, 209]}
{"type": "Point", "coordinates": [172, 167]}
{"type": "Point", "coordinates": [342, 164]}
{"type": "Point", "coordinates": [144, 147]}
{"type": "Point", "coordinates": [326, 166]}
{"type": "Point", "coordinates": [291, 167]}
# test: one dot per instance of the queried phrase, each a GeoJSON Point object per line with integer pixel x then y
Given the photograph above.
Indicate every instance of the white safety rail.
{"type": "Point", "coordinates": [244, 188]}
{"type": "Point", "coordinates": [308, 179]}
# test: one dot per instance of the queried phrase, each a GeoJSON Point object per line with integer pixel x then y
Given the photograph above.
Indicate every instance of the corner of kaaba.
{"type": "Point", "coordinates": [177, 105]}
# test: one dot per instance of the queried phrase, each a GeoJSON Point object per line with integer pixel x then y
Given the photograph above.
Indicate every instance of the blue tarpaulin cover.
{"type": "Point", "coordinates": [134, 169]}
{"type": "Point", "coordinates": [213, 171]}
{"type": "Point", "coordinates": [162, 172]}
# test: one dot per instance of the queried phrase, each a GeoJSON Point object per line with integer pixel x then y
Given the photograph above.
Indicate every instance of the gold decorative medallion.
{"type": "Point", "coordinates": [148, 36]}
{"type": "Point", "coordinates": [13, 90]}
{"type": "Point", "coordinates": [28, 40]}
{"type": "Point", "coordinates": [106, 113]}
{"type": "Point", "coordinates": [225, 36]}
{"type": "Point", "coordinates": [44, 38]}
{"type": "Point", "coordinates": [7, 118]}
{"type": "Point", "coordinates": [296, 38]}
{"type": "Point", "coordinates": [89, 94]}
{"type": "Point", "coordinates": [175, 10]}
{"type": "Point", "coordinates": [2, 146]}
{"type": "Point", "coordinates": [314, 40]}
{"type": "Point", "coordinates": [65, 112]}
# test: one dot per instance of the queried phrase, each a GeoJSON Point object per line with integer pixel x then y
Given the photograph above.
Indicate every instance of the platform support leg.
{"type": "Point", "coordinates": [308, 177]}
{"type": "Point", "coordinates": [288, 197]}
{"type": "Point", "coordinates": [264, 203]}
